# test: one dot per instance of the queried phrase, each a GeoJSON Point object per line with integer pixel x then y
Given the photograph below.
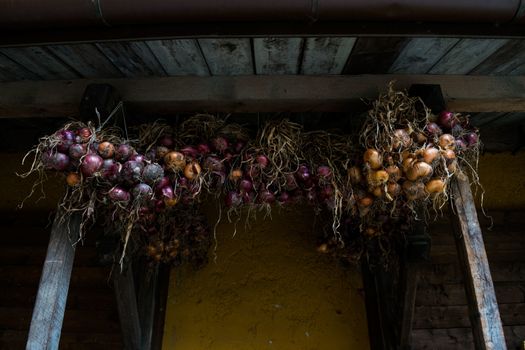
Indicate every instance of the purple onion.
{"type": "Point", "coordinates": [433, 129]}
{"type": "Point", "coordinates": [262, 160]}
{"type": "Point", "coordinates": [214, 164]}
{"type": "Point", "coordinates": [91, 163]}
{"type": "Point", "coordinates": [123, 152]}
{"type": "Point", "coordinates": [324, 172]}
{"type": "Point", "coordinates": [77, 150]}
{"type": "Point", "coordinates": [110, 169]}
{"type": "Point", "coordinates": [246, 185]}
{"type": "Point", "coordinates": [160, 206]}
{"type": "Point", "coordinates": [472, 139]}
{"type": "Point", "coordinates": [151, 155]}
{"type": "Point", "coordinates": [303, 173]}
{"type": "Point", "coordinates": [461, 145]}
{"type": "Point", "coordinates": [47, 157]}
{"type": "Point", "coordinates": [166, 141]}
{"type": "Point", "coordinates": [220, 144]}
{"type": "Point", "coordinates": [132, 171]}
{"type": "Point", "coordinates": [67, 138]}
{"type": "Point", "coordinates": [118, 194]}
{"type": "Point", "coordinates": [284, 198]}
{"type": "Point", "coordinates": [326, 192]}
{"type": "Point", "coordinates": [137, 157]}
{"type": "Point", "coordinates": [152, 173]}
{"type": "Point", "coordinates": [233, 199]}
{"type": "Point", "coordinates": [203, 148]}
{"type": "Point", "coordinates": [189, 151]}
{"type": "Point", "coordinates": [266, 196]}
{"type": "Point", "coordinates": [59, 161]}
{"type": "Point", "coordinates": [247, 197]}
{"type": "Point", "coordinates": [447, 119]}
{"type": "Point", "coordinates": [167, 192]}
{"type": "Point", "coordinates": [142, 191]}
{"type": "Point", "coordinates": [291, 184]}
{"type": "Point", "coordinates": [239, 146]}
{"type": "Point", "coordinates": [165, 181]}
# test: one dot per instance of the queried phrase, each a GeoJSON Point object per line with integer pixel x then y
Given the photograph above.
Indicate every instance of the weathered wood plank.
{"type": "Point", "coordinates": [408, 301]}
{"type": "Point", "coordinates": [133, 59]}
{"type": "Point", "coordinates": [228, 56]}
{"type": "Point", "coordinates": [326, 55]}
{"type": "Point", "coordinates": [146, 302]}
{"type": "Point", "coordinates": [277, 55]}
{"type": "Point", "coordinates": [127, 307]}
{"type": "Point", "coordinates": [420, 54]}
{"type": "Point", "coordinates": [40, 61]}
{"type": "Point", "coordinates": [372, 55]}
{"type": "Point", "coordinates": [450, 273]}
{"type": "Point", "coordinates": [179, 56]}
{"type": "Point", "coordinates": [483, 306]}
{"type": "Point", "coordinates": [466, 55]}
{"type": "Point", "coordinates": [258, 93]}
{"type": "Point", "coordinates": [446, 294]}
{"type": "Point", "coordinates": [48, 313]}
{"type": "Point", "coordinates": [86, 59]}
{"type": "Point", "coordinates": [504, 61]}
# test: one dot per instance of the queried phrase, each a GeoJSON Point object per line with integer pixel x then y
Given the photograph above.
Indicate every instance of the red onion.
{"type": "Point", "coordinates": [262, 160]}
{"type": "Point", "coordinates": [59, 161]}
{"type": "Point", "coordinates": [284, 198]}
{"type": "Point", "coordinates": [434, 129]}
{"type": "Point", "coordinates": [91, 163]}
{"type": "Point", "coordinates": [471, 138]}
{"type": "Point", "coordinates": [77, 150]}
{"type": "Point", "coordinates": [67, 137]}
{"type": "Point", "coordinates": [118, 194]}
{"type": "Point", "coordinates": [160, 206]}
{"type": "Point", "coordinates": [303, 173]}
{"type": "Point", "coordinates": [246, 185]}
{"type": "Point", "coordinates": [166, 141]}
{"type": "Point", "coordinates": [247, 197]}
{"type": "Point", "coordinates": [137, 157]}
{"type": "Point", "coordinates": [203, 148]}
{"type": "Point", "coordinates": [324, 172]}
{"type": "Point", "coordinates": [239, 146]}
{"type": "Point", "coordinates": [220, 144]}
{"type": "Point", "coordinates": [152, 173]}
{"type": "Point", "coordinates": [132, 171]}
{"type": "Point", "coordinates": [190, 151]}
{"type": "Point", "coordinates": [214, 164]}
{"type": "Point", "coordinates": [326, 192]}
{"type": "Point", "coordinates": [167, 192]}
{"type": "Point", "coordinates": [84, 133]}
{"type": "Point", "coordinates": [165, 181]}
{"type": "Point", "coordinates": [151, 155]}
{"type": "Point", "coordinates": [110, 169]}
{"type": "Point", "coordinates": [291, 184]}
{"type": "Point", "coordinates": [460, 144]}
{"type": "Point", "coordinates": [447, 119]}
{"type": "Point", "coordinates": [47, 157]}
{"type": "Point", "coordinates": [142, 191]}
{"type": "Point", "coordinates": [233, 199]}
{"type": "Point", "coordinates": [123, 152]}
{"type": "Point", "coordinates": [266, 196]}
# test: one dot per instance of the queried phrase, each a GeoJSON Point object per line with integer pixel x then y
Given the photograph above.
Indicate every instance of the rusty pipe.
{"type": "Point", "coordinates": [23, 14]}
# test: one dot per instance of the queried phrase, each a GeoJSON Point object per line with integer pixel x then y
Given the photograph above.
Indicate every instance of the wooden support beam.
{"type": "Point", "coordinates": [297, 93]}
{"type": "Point", "coordinates": [483, 307]}
{"type": "Point", "coordinates": [50, 305]}
{"type": "Point", "coordinates": [127, 307]}
{"type": "Point", "coordinates": [147, 285]}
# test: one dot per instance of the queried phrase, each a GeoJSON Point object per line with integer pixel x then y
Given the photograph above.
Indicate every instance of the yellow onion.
{"type": "Point", "coordinates": [373, 158]}
{"type": "Point", "coordinates": [435, 186]}
{"type": "Point", "coordinates": [323, 248]}
{"type": "Point", "coordinates": [418, 170]}
{"type": "Point", "coordinates": [394, 173]}
{"type": "Point", "coordinates": [449, 154]}
{"type": "Point", "coordinates": [366, 201]}
{"type": "Point", "coordinates": [401, 139]}
{"type": "Point", "coordinates": [447, 141]}
{"type": "Point", "coordinates": [370, 231]}
{"type": "Point", "coordinates": [377, 178]}
{"type": "Point", "coordinates": [192, 170]}
{"type": "Point", "coordinates": [175, 160]}
{"type": "Point", "coordinates": [171, 202]}
{"type": "Point", "coordinates": [408, 163]}
{"type": "Point", "coordinates": [413, 190]}
{"type": "Point", "coordinates": [430, 154]}
{"type": "Point", "coordinates": [393, 189]}
{"type": "Point", "coordinates": [354, 173]}
{"type": "Point", "coordinates": [236, 174]}
{"type": "Point", "coordinates": [452, 166]}
{"type": "Point", "coordinates": [421, 138]}
{"type": "Point", "coordinates": [377, 191]}
{"type": "Point", "coordinates": [73, 179]}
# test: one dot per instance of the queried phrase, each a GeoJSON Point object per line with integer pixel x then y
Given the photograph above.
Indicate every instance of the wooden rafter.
{"type": "Point", "coordinates": [258, 93]}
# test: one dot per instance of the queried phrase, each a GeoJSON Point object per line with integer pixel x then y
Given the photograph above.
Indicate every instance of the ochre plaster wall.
{"type": "Point", "coordinates": [269, 289]}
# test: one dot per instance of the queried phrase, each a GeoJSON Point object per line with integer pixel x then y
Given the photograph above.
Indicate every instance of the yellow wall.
{"type": "Point", "coordinates": [269, 289]}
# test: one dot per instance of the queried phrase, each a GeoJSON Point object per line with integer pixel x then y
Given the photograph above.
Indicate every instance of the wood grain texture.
{"type": "Point", "coordinates": [127, 307]}
{"type": "Point", "coordinates": [228, 56]}
{"type": "Point", "coordinates": [146, 301]}
{"type": "Point", "coordinates": [258, 93]}
{"type": "Point", "coordinates": [505, 61]}
{"type": "Point", "coordinates": [277, 55]}
{"type": "Point", "coordinates": [483, 307]}
{"type": "Point", "coordinates": [41, 62]}
{"type": "Point", "coordinates": [48, 313]}
{"type": "Point", "coordinates": [179, 56]}
{"type": "Point", "coordinates": [11, 71]}
{"type": "Point", "coordinates": [466, 55]}
{"type": "Point", "coordinates": [326, 55]}
{"type": "Point", "coordinates": [373, 55]}
{"type": "Point", "coordinates": [420, 54]}
{"type": "Point", "coordinates": [133, 58]}
{"type": "Point", "coordinates": [86, 59]}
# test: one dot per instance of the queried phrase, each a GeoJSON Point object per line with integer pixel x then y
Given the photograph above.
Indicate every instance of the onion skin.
{"type": "Point", "coordinates": [110, 169]}
{"type": "Point", "coordinates": [377, 178]}
{"type": "Point", "coordinates": [435, 186]}
{"type": "Point", "coordinates": [472, 139]}
{"type": "Point", "coordinates": [449, 154]}
{"type": "Point", "coordinates": [447, 119]}
{"type": "Point", "coordinates": [73, 179]}
{"type": "Point", "coordinates": [85, 134]}
{"type": "Point", "coordinates": [447, 141]}
{"type": "Point", "coordinates": [175, 161]}
{"type": "Point", "coordinates": [152, 173]}
{"type": "Point", "coordinates": [430, 154]}
{"type": "Point", "coordinates": [90, 164]}
{"type": "Point", "coordinates": [401, 139]}
{"type": "Point", "coordinates": [77, 150]}
{"type": "Point", "coordinates": [132, 171]}
{"type": "Point", "coordinates": [418, 170]}
{"type": "Point", "coordinates": [67, 138]}
{"type": "Point", "coordinates": [394, 173]}
{"type": "Point", "coordinates": [118, 194]}
{"type": "Point", "coordinates": [123, 152]}
{"type": "Point", "coordinates": [59, 161]}
{"type": "Point", "coordinates": [192, 170]}
{"type": "Point", "coordinates": [106, 150]}
{"type": "Point", "coordinates": [137, 158]}
{"type": "Point", "coordinates": [373, 158]}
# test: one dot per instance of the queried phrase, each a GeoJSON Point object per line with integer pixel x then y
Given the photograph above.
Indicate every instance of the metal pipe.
{"type": "Point", "coordinates": [23, 14]}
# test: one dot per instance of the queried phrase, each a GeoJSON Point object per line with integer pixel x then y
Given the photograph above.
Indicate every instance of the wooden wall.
{"type": "Point", "coordinates": [441, 318]}
{"type": "Point", "coordinates": [91, 318]}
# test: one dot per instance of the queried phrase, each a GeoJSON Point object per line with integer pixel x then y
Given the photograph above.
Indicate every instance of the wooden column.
{"type": "Point", "coordinates": [483, 307]}
{"type": "Point", "coordinates": [48, 313]}
{"type": "Point", "coordinates": [127, 307]}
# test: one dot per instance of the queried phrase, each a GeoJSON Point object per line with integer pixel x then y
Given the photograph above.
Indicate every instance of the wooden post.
{"type": "Point", "coordinates": [483, 307]}
{"type": "Point", "coordinates": [127, 307]}
{"type": "Point", "coordinates": [50, 305]}
{"type": "Point", "coordinates": [146, 302]}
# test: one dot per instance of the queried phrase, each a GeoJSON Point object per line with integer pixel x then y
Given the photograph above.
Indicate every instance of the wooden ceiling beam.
{"type": "Point", "coordinates": [283, 93]}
